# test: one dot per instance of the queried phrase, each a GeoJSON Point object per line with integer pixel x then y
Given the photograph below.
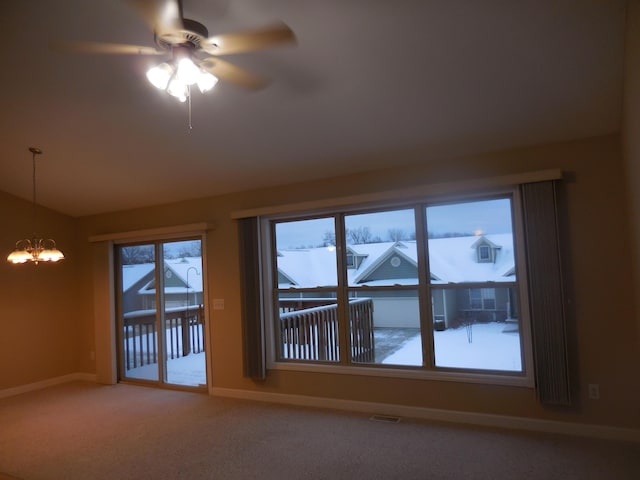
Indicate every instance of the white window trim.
{"type": "Point", "coordinates": [524, 379]}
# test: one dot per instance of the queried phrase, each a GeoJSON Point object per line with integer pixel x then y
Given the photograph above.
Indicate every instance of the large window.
{"type": "Point", "coordinates": [430, 286]}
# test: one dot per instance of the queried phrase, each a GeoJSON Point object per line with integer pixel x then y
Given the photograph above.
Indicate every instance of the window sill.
{"type": "Point", "coordinates": [525, 381]}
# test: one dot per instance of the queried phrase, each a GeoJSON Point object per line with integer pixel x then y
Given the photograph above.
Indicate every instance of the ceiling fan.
{"type": "Point", "coordinates": [194, 54]}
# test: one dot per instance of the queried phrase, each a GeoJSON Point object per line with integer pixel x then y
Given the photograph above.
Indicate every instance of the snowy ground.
{"type": "Point", "coordinates": [489, 349]}
{"type": "Point", "coordinates": [189, 370]}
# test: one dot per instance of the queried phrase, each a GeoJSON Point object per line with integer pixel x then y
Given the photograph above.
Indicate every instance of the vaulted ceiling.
{"type": "Point", "coordinates": [366, 81]}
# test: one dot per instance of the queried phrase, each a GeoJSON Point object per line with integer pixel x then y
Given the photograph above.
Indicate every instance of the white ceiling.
{"type": "Point", "coordinates": [367, 80]}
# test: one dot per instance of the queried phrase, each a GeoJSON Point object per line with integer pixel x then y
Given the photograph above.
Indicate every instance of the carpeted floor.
{"type": "Point", "coordinates": [87, 431]}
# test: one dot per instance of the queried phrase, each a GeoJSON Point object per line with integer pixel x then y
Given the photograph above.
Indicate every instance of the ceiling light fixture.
{"type": "Point", "coordinates": [176, 77]}
{"type": "Point", "coordinates": [35, 249]}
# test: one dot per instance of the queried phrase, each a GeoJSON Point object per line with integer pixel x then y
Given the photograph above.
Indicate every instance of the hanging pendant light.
{"type": "Point", "coordinates": [35, 249]}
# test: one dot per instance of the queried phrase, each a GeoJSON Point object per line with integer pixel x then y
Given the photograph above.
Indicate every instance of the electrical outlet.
{"type": "Point", "coordinates": [594, 391]}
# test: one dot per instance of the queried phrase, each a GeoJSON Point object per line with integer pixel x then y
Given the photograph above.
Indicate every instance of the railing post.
{"type": "Point", "coordinates": [185, 322]}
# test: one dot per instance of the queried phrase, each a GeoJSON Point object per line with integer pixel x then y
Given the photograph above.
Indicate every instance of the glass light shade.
{"type": "Point", "coordinates": [50, 255]}
{"type": "Point", "coordinates": [160, 75]}
{"type": "Point", "coordinates": [188, 72]}
{"type": "Point", "coordinates": [178, 89]}
{"type": "Point", "coordinates": [19, 256]}
{"type": "Point", "coordinates": [35, 250]}
{"type": "Point", "coordinates": [206, 81]}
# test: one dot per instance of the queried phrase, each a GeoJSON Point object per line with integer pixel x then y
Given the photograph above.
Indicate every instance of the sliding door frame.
{"type": "Point", "coordinates": [105, 293]}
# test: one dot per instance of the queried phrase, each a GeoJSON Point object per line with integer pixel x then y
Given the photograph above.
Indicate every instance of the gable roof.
{"type": "Point", "coordinates": [451, 260]}
{"type": "Point", "coordinates": [182, 268]}
{"type": "Point", "coordinates": [454, 260]}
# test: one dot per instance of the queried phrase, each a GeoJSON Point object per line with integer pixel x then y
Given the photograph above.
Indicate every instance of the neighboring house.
{"type": "Point", "coordinates": [477, 259]}
{"type": "Point", "coordinates": [182, 284]}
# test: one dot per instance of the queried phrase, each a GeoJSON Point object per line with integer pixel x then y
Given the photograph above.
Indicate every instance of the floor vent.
{"type": "Point", "coordinates": [385, 419]}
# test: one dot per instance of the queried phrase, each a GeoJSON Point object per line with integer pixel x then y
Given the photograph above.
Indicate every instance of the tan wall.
{"type": "Point", "coordinates": [631, 132]}
{"type": "Point", "coordinates": [604, 332]}
{"type": "Point", "coordinates": [39, 324]}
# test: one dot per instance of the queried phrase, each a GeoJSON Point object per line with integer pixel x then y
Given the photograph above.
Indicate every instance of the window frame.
{"type": "Point", "coordinates": [428, 369]}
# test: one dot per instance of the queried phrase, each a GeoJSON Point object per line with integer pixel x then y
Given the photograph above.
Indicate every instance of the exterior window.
{"type": "Point", "coordinates": [484, 253]}
{"type": "Point", "coordinates": [482, 298]}
{"type": "Point", "coordinates": [481, 319]}
{"type": "Point", "coordinates": [427, 286]}
{"type": "Point", "coordinates": [351, 263]}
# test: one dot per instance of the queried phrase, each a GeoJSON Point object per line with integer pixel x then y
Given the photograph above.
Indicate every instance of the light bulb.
{"type": "Point", "coordinates": [160, 75]}
{"type": "Point", "coordinates": [188, 72]}
{"type": "Point", "coordinates": [178, 89]}
{"type": "Point", "coordinates": [206, 81]}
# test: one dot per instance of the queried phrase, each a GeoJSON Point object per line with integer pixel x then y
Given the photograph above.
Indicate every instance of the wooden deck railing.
{"type": "Point", "coordinates": [309, 329]}
{"type": "Point", "coordinates": [183, 333]}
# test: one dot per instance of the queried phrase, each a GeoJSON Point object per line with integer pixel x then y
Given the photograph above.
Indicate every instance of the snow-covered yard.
{"type": "Point", "coordinates": [490, 349]}
{"type": "Point", "coordinates": [188, 370]}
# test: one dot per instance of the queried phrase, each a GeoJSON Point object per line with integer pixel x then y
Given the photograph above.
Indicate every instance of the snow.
{"type": "Point", "coordinates": [189, 370]}
{"type": "Point", "coordinates": [451, 260]}
{"type": "Point", "coordinates": [490, 349]}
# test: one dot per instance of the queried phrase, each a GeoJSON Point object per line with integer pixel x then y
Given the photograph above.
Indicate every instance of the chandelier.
{"type": "Point", "coordinates": [35, 249]}
{"type": "Point", "coordinates": [177, 77]}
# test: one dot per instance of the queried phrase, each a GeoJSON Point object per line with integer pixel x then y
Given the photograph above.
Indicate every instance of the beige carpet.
{"type": "Point", "coordinates": [86, 431]}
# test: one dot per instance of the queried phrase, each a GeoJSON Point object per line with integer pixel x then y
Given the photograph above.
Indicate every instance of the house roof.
{"type": "Point", "coordinates": [183, 268]}
{"type": "Point", "coordinates": [454, 260]}
{"type": "Point", "coordinates": [133, 273]}
{"type": "Point", "coordinates": [369, 85]}
{"type": "Point", "coordinates": [451, 260]}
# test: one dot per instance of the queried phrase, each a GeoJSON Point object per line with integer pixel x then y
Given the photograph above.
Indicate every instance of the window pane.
{"type": "Point", "coordinates": [185, 361]}
{"type": "Point", "coordinates": [476, 328]}
{"type": "Point", "coordinates": [308, 326]}
{"type": "Point", "coordinates": [139, 334]}
{"type": "Point", "coordinates": [471, 242]}
{"type": "Point", "coordinates": [384, 327]}
{"type": "Point", "coordinates": [306, 253]}
{"type": "Point", "coordinates": [381, 248]}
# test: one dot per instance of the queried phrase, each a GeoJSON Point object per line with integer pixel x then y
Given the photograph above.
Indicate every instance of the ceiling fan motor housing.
{"type": "Point", "coordinates": [191, 35]}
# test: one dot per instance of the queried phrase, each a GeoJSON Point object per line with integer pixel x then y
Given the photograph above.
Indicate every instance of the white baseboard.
{"type": "Point", "coordinates": [469, 418]}
{"type": "Point", "coordinates": [30, 387]}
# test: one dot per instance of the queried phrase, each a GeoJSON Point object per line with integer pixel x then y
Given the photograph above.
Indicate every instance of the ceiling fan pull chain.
{"type": "Point", "coordinates": [189, 100]}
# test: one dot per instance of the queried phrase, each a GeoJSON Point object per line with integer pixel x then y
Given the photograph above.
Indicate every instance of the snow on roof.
{"type": "Point", "coordinates": [454, 260]}
{"type": "Point", "coordinates": [188, 268]}
{"type": "Point", "coordinates": [451, 260]}
{"type": "Point", "coordinates": [311, 267]}
{"type": "Point", "coordinates": [378, 254]}
{"type": "Point", "coordinates": [183, 268]}
{"type": "Point", "coordinates": [132, 273]}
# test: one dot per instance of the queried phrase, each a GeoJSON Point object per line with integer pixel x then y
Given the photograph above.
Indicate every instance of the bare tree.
{"type": "Point", "coordinates": [329, 238]}
{"type": "Point", "coordinates": [191, 249]}
{"type": "Point", "coordinates": [360, 235]}
{"type": "Point", "coordinates": [396, 234]}
{"type": "Point", "coordinates": [136, 254]}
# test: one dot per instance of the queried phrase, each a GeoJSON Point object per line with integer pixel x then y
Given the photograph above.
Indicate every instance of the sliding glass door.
{"type": "Point", "coordinates": [161, 312]}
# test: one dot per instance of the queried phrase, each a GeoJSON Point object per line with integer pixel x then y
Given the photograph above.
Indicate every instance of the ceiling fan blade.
{"type": "Point", "coordinates": [231, 73]}
{"type": "Point", "coordinates": [107, 48]}
{"type": "Point", "coordinates": [230, 43]}
{"type": "Point", "coordinates": [162, 16]}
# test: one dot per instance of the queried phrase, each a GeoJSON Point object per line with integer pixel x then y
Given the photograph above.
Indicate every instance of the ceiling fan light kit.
{"type": "Point", "coordinates": [176, 77]}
